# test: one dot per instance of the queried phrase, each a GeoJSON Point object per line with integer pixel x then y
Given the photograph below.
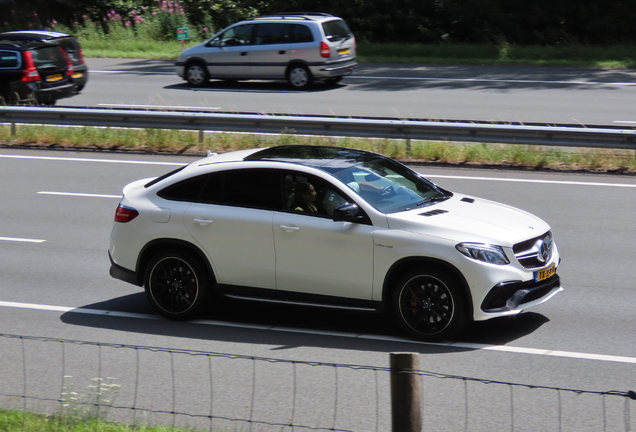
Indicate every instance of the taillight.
{"type": "Point", "coordinates": [69, 72]}
{"type": "Point", "coordinates": [81, 55]}
{"type": "Point", "coordinates": [125, 214]}
{"type": "Point", "coordinates": [325, 51]}
{"type": "Point", "coordinates": [30, 71]}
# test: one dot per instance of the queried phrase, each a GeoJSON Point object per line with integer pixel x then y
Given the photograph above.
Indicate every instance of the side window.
{"type": "Point", "coordinates": [240, 35]}
{"type": "Point", "coordinates": [186, 190]}
{"type": "Point", "coordinates": [301, 33]}
{"type": "Point", "coordinates": [271, 33]}
{"type": "Point", "coordinates": [9, 59]}
{"type": "Point", "coordinates": [256, 188]}
{"type": "Point", "coordinates": [314, 196]}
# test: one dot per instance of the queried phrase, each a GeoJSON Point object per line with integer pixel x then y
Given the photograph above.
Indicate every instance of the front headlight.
{"type": "Point", "coordinates": [484, 252]}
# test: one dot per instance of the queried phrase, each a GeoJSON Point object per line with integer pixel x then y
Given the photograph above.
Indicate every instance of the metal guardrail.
{"type": "Point", "coordinates": [557, 135]}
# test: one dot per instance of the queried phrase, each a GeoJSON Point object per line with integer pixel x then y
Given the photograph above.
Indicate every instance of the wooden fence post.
{"type": "Point", "coordinates": [406, 413]}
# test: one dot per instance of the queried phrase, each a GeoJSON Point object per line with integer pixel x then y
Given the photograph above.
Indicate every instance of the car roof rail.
{"type": "Point", "coordinates": [283, 15]}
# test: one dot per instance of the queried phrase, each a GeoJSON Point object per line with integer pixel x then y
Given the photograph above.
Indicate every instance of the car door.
{"type": "Point", "coordinates": [270, 52]}
{"type": "Point", "coordinates": [227, 55]}
{"type": "Point", "coordinates": [235, 226]}
{"type": "Point", "coordinates": [316, 255]}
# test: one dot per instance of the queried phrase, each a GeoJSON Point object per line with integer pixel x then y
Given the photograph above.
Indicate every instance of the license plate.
{"type": "Point", "coordinates": [544, 274]}
{"type": "Point", "coordinates": [344, 51]}
{"type": "Point", "coordinates": [77, 75]}
{"type": "Point", "coordinates": [51, 78]}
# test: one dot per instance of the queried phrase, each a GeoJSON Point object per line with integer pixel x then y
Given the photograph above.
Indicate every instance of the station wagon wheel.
{"type": "Point", "coordinates": [196, 74]}
{"type": "Point", "coordinates": [176, 284]}
{"type": "Point", "coordinates": [299, 77]}
{"type": "Point", "coordinates": [428, 305]}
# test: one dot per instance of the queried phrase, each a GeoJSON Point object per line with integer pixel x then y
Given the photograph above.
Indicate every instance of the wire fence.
{"type": "Point", "coordinates": [143, 385]}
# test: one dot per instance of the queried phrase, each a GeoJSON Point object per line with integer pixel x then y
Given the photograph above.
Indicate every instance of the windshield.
{"type": "Point", "coordinates": [391, 187]}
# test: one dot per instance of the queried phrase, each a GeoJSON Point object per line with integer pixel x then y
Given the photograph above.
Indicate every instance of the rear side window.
{"type": "Point", "coordinates": [336, 30]}
{"type": "Point", "coordinates": [256, 188]}
{"type": "Point", "coordinates": [9, 59]}
{"type": "Point", "coordinates": [301, 33]}
{"type": "Point", "coordinates": [271, 33]}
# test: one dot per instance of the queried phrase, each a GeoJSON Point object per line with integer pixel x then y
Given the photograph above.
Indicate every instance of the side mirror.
{"type": "Point", "coordinates": [348, 212]}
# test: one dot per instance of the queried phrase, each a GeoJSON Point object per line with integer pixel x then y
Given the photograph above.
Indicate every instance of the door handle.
{"type": "Point", "coordinates": [203, 221]}
{"type": "Point", "coordinates": [289, 228]}
{"type": "Point", "coordinates": [282, 52]}
{"type": "Point", "coordinates": [244, 53]}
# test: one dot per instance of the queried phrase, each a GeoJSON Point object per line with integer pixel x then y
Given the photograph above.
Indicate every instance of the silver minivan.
{"type": "Point", "coordinates": [299, 48]}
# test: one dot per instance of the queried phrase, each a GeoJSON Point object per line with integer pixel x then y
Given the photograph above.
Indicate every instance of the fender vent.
{"type": "Point", "coordinates": [434, 212]}
{"type": "Point", "coordinates": [468, 200]}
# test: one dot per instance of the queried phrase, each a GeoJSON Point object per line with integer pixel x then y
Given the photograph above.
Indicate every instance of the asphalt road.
{"type": "Point", "coordinates": [55, 221]}
{"type": "Point", "coordinates": [480, 93]}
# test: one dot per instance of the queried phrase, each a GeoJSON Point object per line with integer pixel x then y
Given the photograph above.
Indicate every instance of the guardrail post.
{"type": "Point", "coordinates": [406, 412]}
{"type": "Point", "coordinates": [201, 136]}
{"type": "Point", "coordinates": [13, 132]}
{"type": "Point", "coordinates": [408, 146]}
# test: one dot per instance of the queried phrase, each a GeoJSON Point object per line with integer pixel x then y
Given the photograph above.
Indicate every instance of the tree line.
{"type": "Point", "coordinates": [523, 22]}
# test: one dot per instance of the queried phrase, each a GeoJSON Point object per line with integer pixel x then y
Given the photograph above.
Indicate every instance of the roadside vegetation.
{"type": "Point", "coordinates": [18, 421]}
{"type": "Point", "coordinates": [154, 141]}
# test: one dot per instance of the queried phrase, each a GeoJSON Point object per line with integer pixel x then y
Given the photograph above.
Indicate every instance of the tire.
{"type": "Point", "coordinates": [197, 74]}
{"type": "Point", "coordinates": [176, 284]}
{"type": "Point", "coordinates": [429, 305]}
{"type": "Point", "coordinates": [299, 77]}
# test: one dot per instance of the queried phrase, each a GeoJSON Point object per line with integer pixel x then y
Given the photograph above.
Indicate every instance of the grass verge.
{"type": "Point", "coordinates": [154, 141]}
{"type": "Point", "coordinates": [18, 421]}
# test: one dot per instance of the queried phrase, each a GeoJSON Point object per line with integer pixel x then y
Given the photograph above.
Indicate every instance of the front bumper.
{"type": "Point", "coordinates": [514, 296]}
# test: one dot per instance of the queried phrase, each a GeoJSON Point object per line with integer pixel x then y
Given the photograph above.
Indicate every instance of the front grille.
{"type": "Point", "coordinates": [535, 252]}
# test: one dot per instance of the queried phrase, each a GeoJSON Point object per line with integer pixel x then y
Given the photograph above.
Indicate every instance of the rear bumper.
{"type": "Point", "coordinates": [122, 273]}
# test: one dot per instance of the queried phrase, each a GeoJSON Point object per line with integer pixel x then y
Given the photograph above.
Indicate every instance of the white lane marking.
{"type": "Point", "coordinates": [505, 179]}
{"type": "Point", "coordinates": [54, 158]}
{"type": "Point", "coordinates": [170, 107]}
{"type": "Point", "coordinates": [21, 240]}
{"type": "Point", "coordinates": [415, 78]}
{"type": "Point", "coordinates": [519, 81]}
{"type": "Point", "coordinates": [463, 345]}
{"type": "Point", "coordinates": [78, 194]}
{"type": "Point", "coordinates": [514, 180]}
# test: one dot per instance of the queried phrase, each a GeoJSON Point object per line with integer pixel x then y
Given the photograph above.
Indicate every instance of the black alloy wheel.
{"type": "Point", "coordinates": [176, 285]}
{"type": "Point", "coordinates": [428, 305]}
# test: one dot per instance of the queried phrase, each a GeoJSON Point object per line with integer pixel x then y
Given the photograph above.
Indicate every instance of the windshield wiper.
{"type": "Point", "coordinates": [433, 199]}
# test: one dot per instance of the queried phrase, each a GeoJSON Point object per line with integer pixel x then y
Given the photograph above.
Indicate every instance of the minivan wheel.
{"type": "Point", "coordinates": [428, 305]}
{"type": "Point", "coordinates": [176, 284]}
{"type": "Point", "coordinates": [299, 77]}
{"type": "Point", "coordinates": [196, 74]}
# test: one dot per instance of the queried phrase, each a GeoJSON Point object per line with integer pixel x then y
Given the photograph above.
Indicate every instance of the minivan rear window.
{"type": "Point", "coordinates": [336, 30]}
{"type": "Point", "coordinates": [9, 59]}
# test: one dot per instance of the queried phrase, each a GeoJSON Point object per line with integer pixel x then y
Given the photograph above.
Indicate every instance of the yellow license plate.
{"type": "Point", "coordinates": [544, 274]}
{"type": "Point", "coordinates": [344, 51]}
{"type": "Point", "coordinates": [77, 75]}
{"type": "Point", "coordinates": [54, 78]}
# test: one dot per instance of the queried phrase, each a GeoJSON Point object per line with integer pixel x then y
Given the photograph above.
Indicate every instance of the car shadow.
{"type": "Point", "coordinates": [253, 86]}
{"type": "Point", "coordinates": [288, 326]}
